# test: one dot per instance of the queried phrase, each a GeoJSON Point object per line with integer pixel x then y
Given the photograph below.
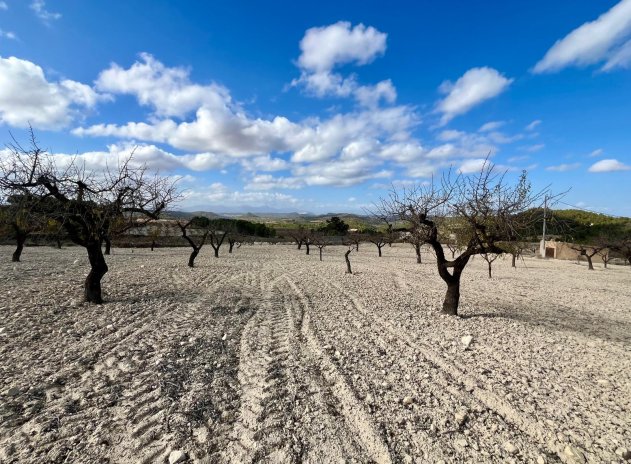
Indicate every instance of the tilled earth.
{"type": "Point", "coordinates": [269, 355]}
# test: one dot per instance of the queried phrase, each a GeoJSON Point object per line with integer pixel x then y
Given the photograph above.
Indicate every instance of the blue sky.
{"type": "Point", "coordinates": [323, 106]}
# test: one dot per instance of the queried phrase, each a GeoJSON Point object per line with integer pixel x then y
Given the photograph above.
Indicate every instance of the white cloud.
{"type": "Point", "coordinates": [533, 125]}
{"type": "Point", "coordinates": [153, 157]}
{"type": "Point", "coordinates": [596, 153]}
{"type": "Point", "coordinates": [39, 7]}
{"type": "Point", "coordinates": [168, 91]}
{"type": "Point", "coordinates": [474, 87]}
{"type": "Point", "coordinates": [491, 126]}
{"type": "Point", "coordinates": [265, 163]}
{"type": "Point", "coordinates": [3, 5]}
{"type": "Point", "coordinates": [269, 182]}
{"type": "Point", "coordinates": [325, 47]}
{"type": "Point", "coordinates": [8, 35]}
{"type": "Point", "coordinates": [472, 166]}
{"type": "Point", "coordinates": [608, 165]}
{"type": "Point", "coordinates": [27, 97]}
{"type": "Point", "coordinates": [219, 195]}
{"type": "Point", "coordinates": [564, 167]}
{"type": "Point", "coordinates": [593, 42]}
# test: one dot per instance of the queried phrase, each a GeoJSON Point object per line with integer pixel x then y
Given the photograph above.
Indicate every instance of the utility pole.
{"type": "Point", "coordinates": [542, 248]}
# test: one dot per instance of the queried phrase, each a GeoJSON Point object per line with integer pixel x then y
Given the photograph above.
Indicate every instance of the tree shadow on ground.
{"type": "Point", "coordinates": [564, 319]}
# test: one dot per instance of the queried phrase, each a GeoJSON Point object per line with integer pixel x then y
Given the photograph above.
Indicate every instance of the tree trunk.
{"type": "Point", "coordinates": [20, 238]}
{"type": "Point", "coordinates": [417, 248]}
{"type": "Point", "coordinates": [108, 245]}
{"type": "Point", "coordinates": [379, 248]}
{"type": "Point", "coordinates": [590, 265]}
{"type": "Point", "coordinates": [230, 247]}
{"type": "Point", "coordinates": [348, 262]}
{"type": "Point", "coordinates": [98, 268]}
{"type": "Point", "coordinates": [513, 262]}
{"type": "Point", "coordinates": [452, 297]}
{"type": "Point", "coordinates": [490, 273]}
{"type": "Point", "coordinates": [216, 252]}
{"type": "Point", "coordinates": [153, 244]}
{"type": "Point", "coordinates": [307, 245]}
{"type": "Point", "coordinates": [320, 254]}
{"type": "Point", "coordinates": [191, 259]}
{"type": "Point", "coordinates": [58, 243]}
{"type": "Point", "coordinates": [357, 246]}
{"type": "Point", "coordinates": [299, 245]}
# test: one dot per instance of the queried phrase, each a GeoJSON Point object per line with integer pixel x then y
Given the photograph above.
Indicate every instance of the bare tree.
{"type": "Point", "coordinates": [588, 251]}
{"type": "Point", "coordinates": [217, 238]}
{"type": "Point", "coordinates": [299, 236]}
{"type": "Point", "coordinates": [515, 249]}
{"type": "Point", "coordinates": [378, 239]}
{"type": "Point", "coordinates": [234, 239]}
{"type": "Point", "coordinates": [196, 222]}
{"type": "Point", "coordinates": [622, 245]}
{"type": "Point", "coordinates": [85, 203]}
{"type": "Point", "coordinates": [490, 259]}
{"type": "Point", "coordinates": [417, 240]}
{"type": "Point", "coordinates": [320, 241]}
{"type": "Point", "coordinates": [19, 220]}
{"type": "Point", "coordinates": [348, 261]}
{"type": "Point", "coordinates": [490, 208]}
{"type": "Point", "coordinates": [355, 239]}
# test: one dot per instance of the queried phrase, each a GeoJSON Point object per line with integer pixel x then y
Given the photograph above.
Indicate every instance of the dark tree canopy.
{"type": "Point", "coordinates": [334, 226]}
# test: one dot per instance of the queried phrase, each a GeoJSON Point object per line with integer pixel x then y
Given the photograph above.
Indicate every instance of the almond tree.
{"type": "Point", "coordinates": [490, 259]}
{"type": "Point", "coordinates": [490, 208]}
{"type": "Point", "coordinates": [197, 222]}
{"type": "Point", "coordinates": [85, 203]}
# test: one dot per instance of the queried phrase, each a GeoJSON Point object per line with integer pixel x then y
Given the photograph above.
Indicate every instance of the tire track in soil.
{"type": "Point", "coordinates": [287, 382]}
{"type": "Point", "coordinates": [357, 422]}
{"type": "Point", "coordinates": [459, 381]}
{"type": "Point", "coordinates": [122, 385]}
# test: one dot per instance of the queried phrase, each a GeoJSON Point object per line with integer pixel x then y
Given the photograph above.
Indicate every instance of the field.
{"type": "Point", "coordinates": [268, 355]}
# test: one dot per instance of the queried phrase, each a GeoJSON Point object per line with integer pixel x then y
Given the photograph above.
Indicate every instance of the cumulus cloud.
{"type": "Point", "coordinates": [608, 165]}
{"type": "Point", "coordinates": [156, 159]}
{"type": "Point", "coordinates": [26, 96]}
{"type": "Point", "coordinates": [168, 91]}
{"type": "Point", "coordinates": [564, 167]}
{"type": "Point", "coordinates": [474, 87]}
{"type": "Point", "coordinates": [607, 39]}
{"type": "Point", "coordinates": [39, 7]}
{"type": "Point", "coordinates": [472, 166]}
{"type": "Point", "coordinates": [325, 47]}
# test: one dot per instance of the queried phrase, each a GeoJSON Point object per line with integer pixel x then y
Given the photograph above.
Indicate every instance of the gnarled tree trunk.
{"type": "Point", "coordinates": [98, 268]}
{"type": "Point", "coordinates": [307, 247]}
{"type": "Point", "coordinates": [191, 258]}
{"type": "Point", "coordinates": [108, 245]}
{"type": "Point", "coordinates": [417, 248]}
{"type": "Point", "coordinates": [20, 238]}
{"type": "Point", "coordinates": [590, 265]}
{"type": "Point", "coordinates": [348, 261]}
{"type": "Point", "coordinates": [452, 297]}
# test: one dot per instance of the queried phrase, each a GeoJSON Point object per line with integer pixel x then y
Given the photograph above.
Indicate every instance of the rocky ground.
{"type": "Point", "coordinates": [268, 355]}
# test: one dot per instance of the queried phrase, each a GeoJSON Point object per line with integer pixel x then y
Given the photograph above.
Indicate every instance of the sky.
{"type": "Point", "coordinates": [325, 106]}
